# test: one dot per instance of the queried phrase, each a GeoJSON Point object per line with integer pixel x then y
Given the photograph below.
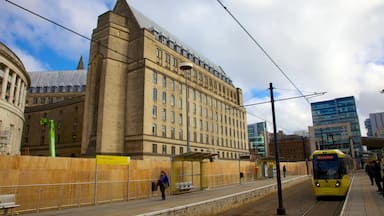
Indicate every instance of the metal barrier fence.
{"type": "Point", "coordinates": [40, 197]}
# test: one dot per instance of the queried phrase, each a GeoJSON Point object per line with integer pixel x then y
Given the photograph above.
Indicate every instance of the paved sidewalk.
{"type": "Point", "coordinates": [155, 206]}
{"type": "Point", "coordinates": [363, 198]}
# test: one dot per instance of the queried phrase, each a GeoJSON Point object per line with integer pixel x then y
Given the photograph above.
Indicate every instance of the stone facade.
{"type": "Point", "coordinates": [136, 94]}
{"type": "Point", "coordinates": [14, 82]}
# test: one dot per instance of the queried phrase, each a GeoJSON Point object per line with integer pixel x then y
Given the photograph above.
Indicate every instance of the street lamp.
{"type": "Point", "coordinates": [186, 68]}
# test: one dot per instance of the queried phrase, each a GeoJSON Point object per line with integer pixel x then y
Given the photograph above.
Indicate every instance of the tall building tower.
{"type": "Point", "coordinates": [368, 126]}
{"type": "Point", "coordinates": [375, 124]}
{"type": "Point", "coordinates": [336, 125]}
{"type": "Point", "coordinates": [257, 138]}
{"type": "Point", "coordinates": [136, 101]}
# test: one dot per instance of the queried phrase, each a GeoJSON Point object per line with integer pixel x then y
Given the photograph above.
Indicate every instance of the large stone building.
{"type": "Point", "coordinates": [14, 81]}
{"type": "Point", "coordinates": [291, 147]}
{"type": "Point", "coordinates": [57, 96]}
{"type": "Point", "coordinates": [136, 94]}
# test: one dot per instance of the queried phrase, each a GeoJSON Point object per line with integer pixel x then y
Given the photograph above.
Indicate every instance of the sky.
{"type": "Point", "coordinates": [332, 46]}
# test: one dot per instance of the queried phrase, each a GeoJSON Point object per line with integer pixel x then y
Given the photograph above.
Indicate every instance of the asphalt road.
{"type": "Point", "coordinates": [297, 200]}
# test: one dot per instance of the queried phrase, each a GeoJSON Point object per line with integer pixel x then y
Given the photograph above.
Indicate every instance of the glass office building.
{"type": "Point", "coordinates": [336, 125]}
{"type": "Point", "coordinates": [375, 125]}
{"type": "Point", "coordinates": [256, 137]}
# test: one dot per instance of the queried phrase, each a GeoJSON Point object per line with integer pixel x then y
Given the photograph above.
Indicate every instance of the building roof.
{"type": "Point", "coordinates": [170, 40]}
{"type": "Point", "coordinates": [58, 78]}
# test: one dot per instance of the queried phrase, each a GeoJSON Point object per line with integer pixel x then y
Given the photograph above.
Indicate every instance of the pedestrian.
{"type": "Point", "coordinates": [163, 183]}
{"type": "Point", "coordinates": [378, 178]}
{"type": "Point", "coordinates": [370, 170]}
{"type": "Point", "coordinates": [284, 171]}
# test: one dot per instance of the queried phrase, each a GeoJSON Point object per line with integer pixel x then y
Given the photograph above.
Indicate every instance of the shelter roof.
{"type": "Point", "coordinates": [194, 156]}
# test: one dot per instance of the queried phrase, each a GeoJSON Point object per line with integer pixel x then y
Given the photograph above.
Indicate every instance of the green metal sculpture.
{"type": "Point", "coordinates": [52, 135]}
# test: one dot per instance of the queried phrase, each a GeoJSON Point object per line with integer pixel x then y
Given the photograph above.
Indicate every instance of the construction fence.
{"type": "Point", "coordinates": [44, 183]}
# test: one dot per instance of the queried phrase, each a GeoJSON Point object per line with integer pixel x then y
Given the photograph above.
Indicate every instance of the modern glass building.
{"type": "Point", "coordinates": [336, 125]}
{"type": "Point", "coordinates": [375, 125]}
{"type": "Point", "coordinates": [256, 137]}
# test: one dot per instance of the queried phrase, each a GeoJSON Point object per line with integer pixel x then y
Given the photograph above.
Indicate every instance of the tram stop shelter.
{"type": "Point", "coordinates": [189, 171]}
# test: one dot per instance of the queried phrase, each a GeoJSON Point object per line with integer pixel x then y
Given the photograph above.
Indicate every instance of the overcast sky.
{"type": "Point", "coordinates": [333, 46]}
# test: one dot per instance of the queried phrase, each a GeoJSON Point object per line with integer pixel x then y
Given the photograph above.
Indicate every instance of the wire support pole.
{"type": "Point", "coordinates": [280, 210]}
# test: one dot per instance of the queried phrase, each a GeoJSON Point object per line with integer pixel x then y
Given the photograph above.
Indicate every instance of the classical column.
{"type": "Point", "coordinates": [18, 82]}
{"type": "Point", "coordinates": [5, 83]}
{"type": "Point", "coordinates": [12, 89]}
{"type": "Point", "coordinates": [22, 95]}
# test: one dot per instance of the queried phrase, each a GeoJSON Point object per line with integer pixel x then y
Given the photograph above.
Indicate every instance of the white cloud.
{"type": "Point", "coordinates": [332, 45]}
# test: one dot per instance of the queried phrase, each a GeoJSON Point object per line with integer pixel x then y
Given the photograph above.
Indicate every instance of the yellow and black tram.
{"type": "Point", "coordinates": [330, 173]}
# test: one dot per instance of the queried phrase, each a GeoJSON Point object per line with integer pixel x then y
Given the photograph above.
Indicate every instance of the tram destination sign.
{"type": "Point", "coordinates": [325, 157]}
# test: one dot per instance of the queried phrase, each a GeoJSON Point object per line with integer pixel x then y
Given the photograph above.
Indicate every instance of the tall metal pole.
{"type": "Point", "coordinates": [186, 67]}
{"type": "Point", "coordinates": [280, 209]}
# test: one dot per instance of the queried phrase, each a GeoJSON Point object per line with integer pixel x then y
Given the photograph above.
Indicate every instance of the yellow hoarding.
{"type": "Point", "coordinates": [112, 160]}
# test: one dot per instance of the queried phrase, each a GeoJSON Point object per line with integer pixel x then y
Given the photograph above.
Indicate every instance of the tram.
{"type": "Point", "coordinates": [330, 173]}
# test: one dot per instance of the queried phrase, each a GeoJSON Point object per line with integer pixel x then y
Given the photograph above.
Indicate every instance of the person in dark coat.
{"type": "Point", "coordinates": [284, 171]}
{"type": "Point", "coordinates": [163, 183]}
{"type": "Point", "coordinates": [378, 178]}
{"type": "Point", "coordinates": [370, 170]}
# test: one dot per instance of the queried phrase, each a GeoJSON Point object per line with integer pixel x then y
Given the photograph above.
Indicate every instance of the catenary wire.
{"type": "Point", "coordinates": [263, 50]}
{"type": "Point", "coordinates": [66, 28]}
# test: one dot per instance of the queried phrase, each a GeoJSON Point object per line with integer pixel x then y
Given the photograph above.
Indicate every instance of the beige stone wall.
{"type": "Point", "coordinates": [14, 81]}
{"type": "Point", "coordinates": [68, 119]}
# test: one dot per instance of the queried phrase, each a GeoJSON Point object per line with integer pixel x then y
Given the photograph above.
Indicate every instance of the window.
{"type": "Point", "coordinates": [180, 88]}
{"type": "Point", "coordinates": [164, 81]}
{"type": "Point", "coordinates": [164, 97]}
{"type": "Point", "coordinates": [180, 119]}
{"type": "Point", "coordinates": [172, 85]}
{"type": "Point", "coordinates": [180, 134]}
{"type": "Point", "coordinates": [154, 148]}
{"type": "Point", "coordinates": [154, 129]}
{"type": "Point", "coordinates": [164, 149]}
{"type": "Point", "coordinates": [173, 150]}
{"type": "Point", "coordinates": [174, 62]}
{"type": "Point", "coordinates": [172, 133]}
{"type": "Point", "coordinates": [158, 53]}
{"type": "Point", "coordinates": [172, 100]}
{"type": "Point", "coordinates": [164, 114]}
{"type": "Point", "coordinates": [181, 149]}
{"type": "Point", "coordinates": [163, 131]}
{"type": "Point", "coordinates": [180, 103]}
{"type": "Point", "coordinates": [167, 58]}
{"type": "Point", "coordinates": [154, 111]}
{"type": "Point", "coordinates": [154, 94]}
{"type": "Point", "coordinates": [172, 117]}
{"type": "Point", "coordinates": [154, 77]}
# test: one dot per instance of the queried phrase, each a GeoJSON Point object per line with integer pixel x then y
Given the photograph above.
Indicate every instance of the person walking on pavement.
{"type": "Point", "coordinates": [284, 171]}
{"type": "Point", "coordinates": [378, 178]}
{"type": "Point", "coordinates": [163, 183]}
{"type": "Point", "coordinates": [370, 170]}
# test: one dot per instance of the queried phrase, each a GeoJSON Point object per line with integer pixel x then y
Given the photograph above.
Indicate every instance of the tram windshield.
{"type": "Point", "coordinates": [326, 166]}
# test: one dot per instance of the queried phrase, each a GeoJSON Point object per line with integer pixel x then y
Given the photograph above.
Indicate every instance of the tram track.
{"type": "Point", "coordinates": [299, 200]}
{"type": "Point", "coordinates": [332, 206]}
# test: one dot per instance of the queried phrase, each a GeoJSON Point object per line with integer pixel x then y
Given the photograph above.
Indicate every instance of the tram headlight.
{"type": "Point", "coordinates": [317, 184]}
{"type": "Point", "coordinates": [337, 184]}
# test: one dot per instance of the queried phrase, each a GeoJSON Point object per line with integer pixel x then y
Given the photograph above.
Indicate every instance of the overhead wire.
{"type": "Point", "coordinates": [263, 50]}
